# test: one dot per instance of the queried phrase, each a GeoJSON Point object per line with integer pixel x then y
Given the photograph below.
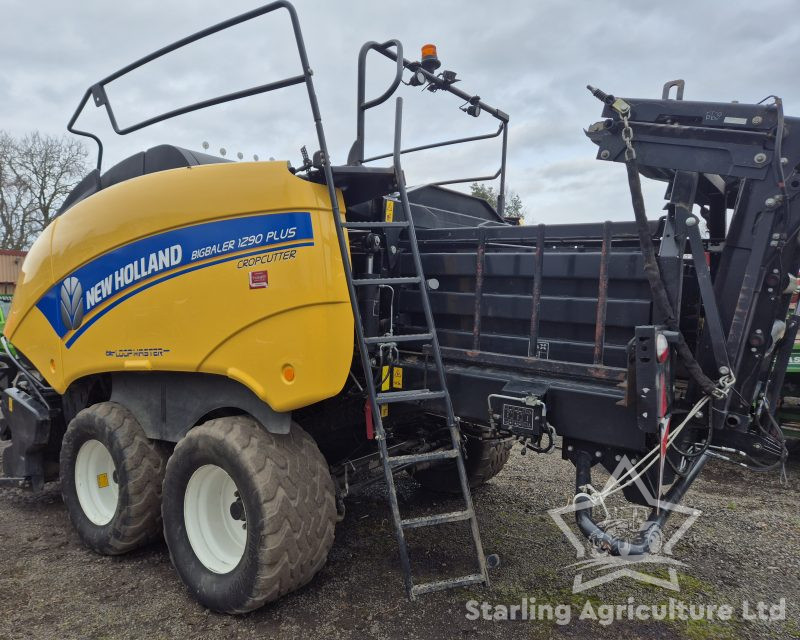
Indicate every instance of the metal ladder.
{"type": "Point", "coordinates": [377, 400]}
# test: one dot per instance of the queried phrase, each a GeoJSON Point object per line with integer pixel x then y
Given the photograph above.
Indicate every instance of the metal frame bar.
{"type": "Point", "coordinates": [536, 296]}
{"type": "Point", "coordinates": [740, 323]}
{"type": "Point", "coordinates": [479, 269]}
{"type": "Point", "coordinates": [602, 295]}
{"type": "Point", "coordinates": [682, 194]}
{"type": "Point", "coordinates": [423, 147]}
{"type": "Point", "coordinates": [532, 364]}
{"type": "Point", "coordinates": [709, 299]}
{"type": "Point", "coordinates": [98, 90]}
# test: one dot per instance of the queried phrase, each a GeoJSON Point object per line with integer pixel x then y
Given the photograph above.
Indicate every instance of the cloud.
{"type": "Point", "coordinates": [532, 59]}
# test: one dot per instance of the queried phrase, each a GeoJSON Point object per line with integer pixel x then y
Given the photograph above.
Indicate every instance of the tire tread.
{"type": "Point", "coordinates": [139, 522]}
{"type": "Point", "coordinates": [297, 500]}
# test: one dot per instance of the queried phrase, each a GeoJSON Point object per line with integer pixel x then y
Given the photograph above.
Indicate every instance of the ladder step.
{"type": "Point", "coordinates": [440, 585]}
{"type": "Point", "coordinates": [409, 396]}
{"type": "Point", "coordinates": [409, 337]}
{"type": "Point", "coordinates": [415, 458]}
{"type": "Point", "coordinates": [441, 518]}
{"type": "Point", "coordinates": [371, 225]}
{"type": "Point", "coordinates": [375, 281]}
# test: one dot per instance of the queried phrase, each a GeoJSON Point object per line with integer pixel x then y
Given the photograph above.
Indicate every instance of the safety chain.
{"type": "Point", "coordinates": [624, 110]}
{"type": "Point", "coordinates": [627, 137]}
{"type": "Point", "coordinates": [724, 385]}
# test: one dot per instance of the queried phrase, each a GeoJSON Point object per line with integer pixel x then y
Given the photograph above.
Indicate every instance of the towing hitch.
{"type": "Point", "coordinates": [649, 532]}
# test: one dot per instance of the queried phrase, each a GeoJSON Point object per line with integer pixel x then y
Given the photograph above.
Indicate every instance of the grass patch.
{"type": "Point", "coordinates": [708, 630]}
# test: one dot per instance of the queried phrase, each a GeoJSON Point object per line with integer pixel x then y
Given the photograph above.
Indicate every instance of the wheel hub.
{"type": "Point", "coordinates": [96, 482]}
{"type": "Point", "coordinates": [237, 510]}
{"type": "Point", "coordinates": [215, 517]}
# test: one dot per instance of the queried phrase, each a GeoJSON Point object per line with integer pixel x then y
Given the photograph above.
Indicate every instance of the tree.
{"type": "Point", "coordinates": [36, 173]}
{"type": "Point", "coordinates": [512, 206]}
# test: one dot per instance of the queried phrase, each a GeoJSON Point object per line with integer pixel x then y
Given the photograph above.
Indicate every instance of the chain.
{"type": "Point", "coordinates": [627, 138]}
{"type": "Point", "coordinates": [724, 385]}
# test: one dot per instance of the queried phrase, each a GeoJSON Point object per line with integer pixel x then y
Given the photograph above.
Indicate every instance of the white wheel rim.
{"type": "Point", "coordinates": [217, 538]}
{"type": "Point", "coordinates": [96, 482]}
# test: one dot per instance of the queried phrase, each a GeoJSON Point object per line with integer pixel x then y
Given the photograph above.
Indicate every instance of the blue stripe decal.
{"type": "Point", "coordinates": [167, 254]}
{"type": "Point", "coordinates": [100, 314]}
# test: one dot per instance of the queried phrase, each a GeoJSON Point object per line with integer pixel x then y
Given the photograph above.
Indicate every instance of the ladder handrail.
{"type": "Point", "coordinates": [393, 50]}
{"type": "Point", "coordinates": [412, 239]}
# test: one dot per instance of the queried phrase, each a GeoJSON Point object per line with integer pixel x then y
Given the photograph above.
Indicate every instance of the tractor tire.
{"type": "Point", "coordinates": [111, 477]}
{"type": "Point", "coordinates": [483, 460]}
{"type": "Point", "coordinates": [248, 515]}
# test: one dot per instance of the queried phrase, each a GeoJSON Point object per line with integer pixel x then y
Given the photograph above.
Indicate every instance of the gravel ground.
{"type": "Point", "coordinates": [744, 546]}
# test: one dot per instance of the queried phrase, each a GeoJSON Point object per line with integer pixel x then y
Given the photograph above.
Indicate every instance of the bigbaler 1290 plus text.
{"type": "Point", "coordinates": [238, 436]}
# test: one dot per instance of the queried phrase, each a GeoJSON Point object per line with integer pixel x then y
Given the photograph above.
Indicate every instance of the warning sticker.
{"type": "Point", "coordinates": [397, 377]}
{"type": "Point", "coordinates": [102, 480]}
{"type": "Point", "coordinates": [258, 279]}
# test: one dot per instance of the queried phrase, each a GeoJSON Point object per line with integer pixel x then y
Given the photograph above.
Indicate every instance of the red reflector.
{"type": "Point", "coordinates": [368, 420]}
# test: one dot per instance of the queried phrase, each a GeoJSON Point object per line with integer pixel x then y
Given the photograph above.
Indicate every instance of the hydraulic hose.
{"type": "Point", "coordinates": [653, 273]}
{"type": "Point", "coordinates": [649, 533]}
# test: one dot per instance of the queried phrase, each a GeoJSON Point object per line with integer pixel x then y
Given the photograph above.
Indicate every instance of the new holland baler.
{"type": "Point", "coordinates": [237, 432]}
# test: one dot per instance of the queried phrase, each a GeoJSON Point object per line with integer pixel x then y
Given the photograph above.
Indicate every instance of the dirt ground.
{"type": "Point", "coordinates": [744, 547]}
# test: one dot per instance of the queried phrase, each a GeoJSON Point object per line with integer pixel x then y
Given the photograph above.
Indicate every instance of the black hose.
{"type": "Point", "coordinates": [653, 273]}
{"type": "Point", "coordinates": [35, 385]}
{"type": "Point", "coordinates": [649, 533]}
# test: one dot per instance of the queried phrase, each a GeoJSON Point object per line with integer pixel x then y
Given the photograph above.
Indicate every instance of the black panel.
{"type": "Point", "coordinates": [160, 158]}
{"type": "Point", "coordinates": [168, 404]}
{"type": "Point", "coordinates": [131, 167]}
{"type": "Point", "coordinates": [363, 186]}
{"type": "Point", "coordinates": [29, 424]}
{"type": "Point", "coordinates": [435, 207]}
{"type": "Point", "coordinates": [569, 291]}
{"type": "Point", "coordinates": [83, 189]}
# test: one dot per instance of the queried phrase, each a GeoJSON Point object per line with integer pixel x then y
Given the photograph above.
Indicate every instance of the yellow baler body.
{"type": "Point", "coordinates": [231, 269]}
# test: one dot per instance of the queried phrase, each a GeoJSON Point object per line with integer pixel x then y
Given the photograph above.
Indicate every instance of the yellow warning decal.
{"type": "Point", "coordinates": [385, 378]}
{"type": "Point", "coordinates": [102, 480]}
{"type": "Point", "coordinates": [384, 410]}
{"type": "Point", "coordinates": [397, 377]}
{"type": "Point", "coordinates": [389, 210]}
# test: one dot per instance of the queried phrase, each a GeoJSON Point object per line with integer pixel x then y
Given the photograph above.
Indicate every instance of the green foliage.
{"type": "Point", "coordinates": [512, 207]}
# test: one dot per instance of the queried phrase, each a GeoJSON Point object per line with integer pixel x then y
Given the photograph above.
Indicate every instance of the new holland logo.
{"type": "Point", "coordinates": [71, 303]}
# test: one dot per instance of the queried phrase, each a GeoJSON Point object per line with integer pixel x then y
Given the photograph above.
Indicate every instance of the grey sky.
{"type": "Point", "coordinates": [532, 59]}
